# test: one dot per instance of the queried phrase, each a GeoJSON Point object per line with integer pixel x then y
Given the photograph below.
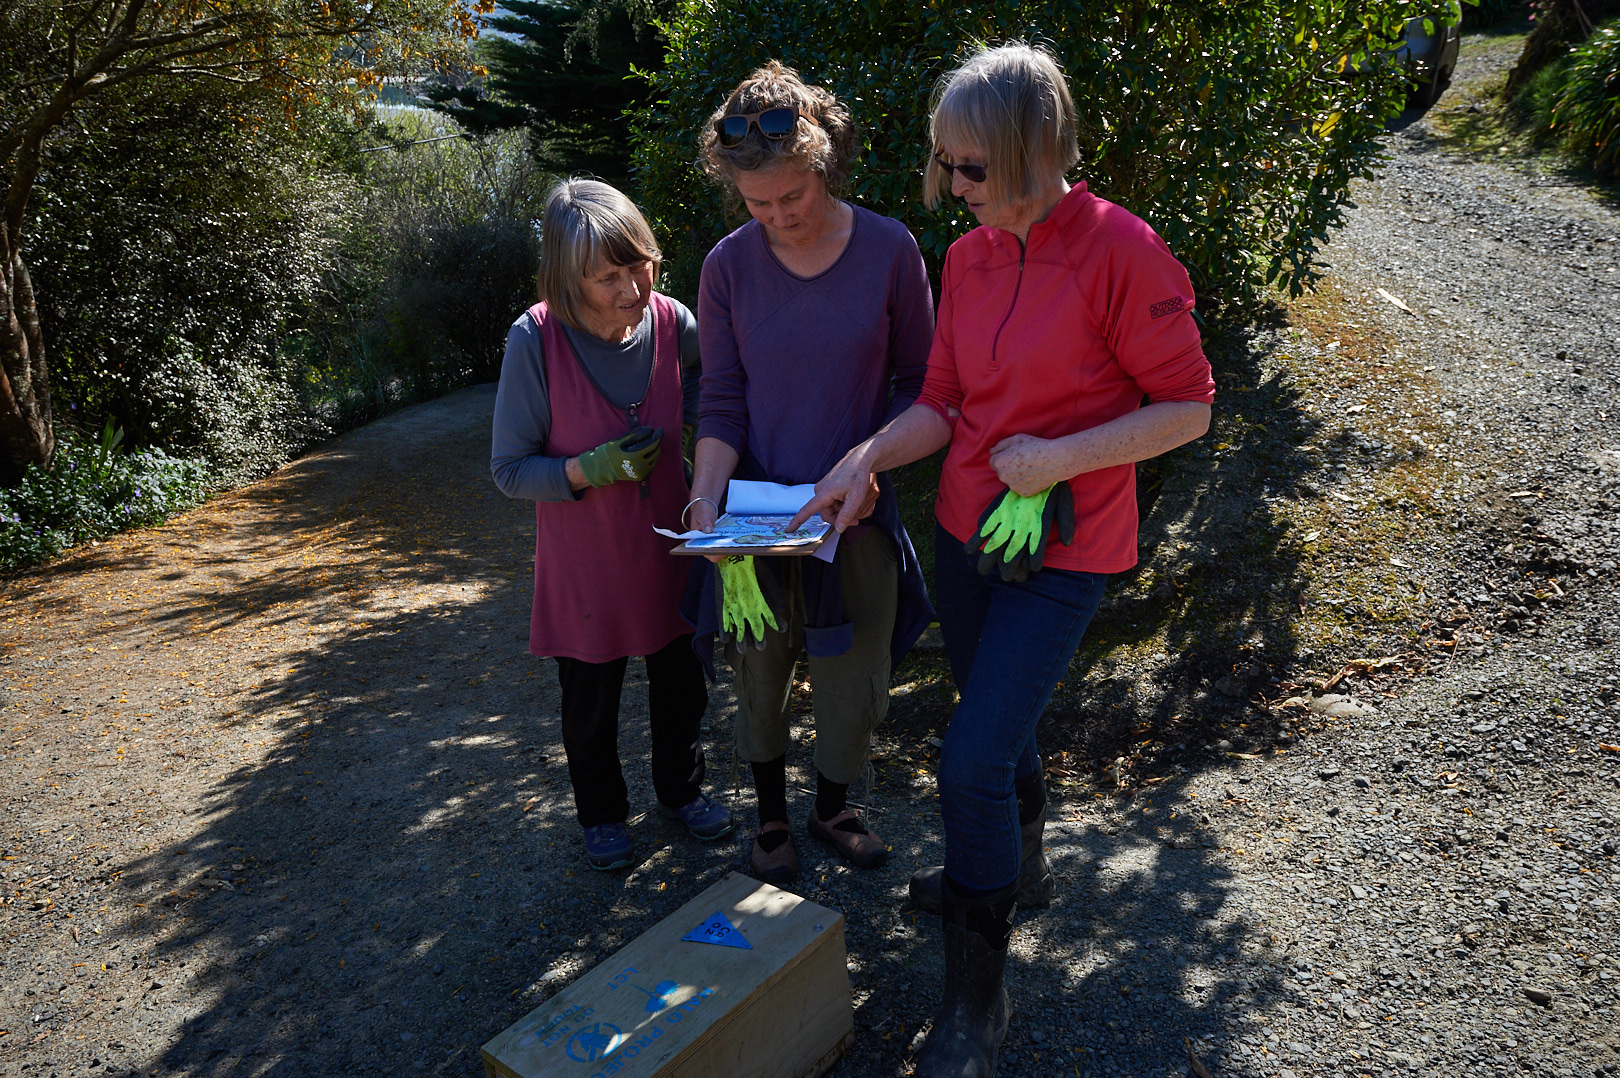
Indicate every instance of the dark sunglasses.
{"type": "Point", "coordinates": [772, 123]}
{"type": "Point", "coordinates": [970, 173]}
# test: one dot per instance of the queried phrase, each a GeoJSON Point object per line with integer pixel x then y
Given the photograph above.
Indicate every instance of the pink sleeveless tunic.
{"type": "Point", "coordinates": [606, 585]}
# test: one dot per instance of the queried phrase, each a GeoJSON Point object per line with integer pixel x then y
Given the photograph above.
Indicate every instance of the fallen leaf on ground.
{"type": "Point", "coordinates": [1194, 1062]}
{"type": "Point", "coordinates": [1397, 302]}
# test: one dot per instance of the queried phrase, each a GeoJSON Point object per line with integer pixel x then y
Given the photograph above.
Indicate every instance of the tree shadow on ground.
{"type": "Point", "coordinates": [398, 876]}
{"type": "Point", "coordinates": [403, 866]}
{"type": "Point", "coordinates": [1134, 956]}
{"type": "Point", "coordinates": [1188, 643]}
{"type": "Point", "coordinates": [397, 879]}
{"type": "Point", "coordinates": [1128, 966]}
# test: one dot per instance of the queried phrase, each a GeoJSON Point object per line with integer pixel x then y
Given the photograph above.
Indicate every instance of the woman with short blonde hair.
{"type": "Point", "coordinates": [1014, 104]}
{"type": "Point", "coordinates": [815, 318]}
{"type": "Point", "coordinates": [594, 375]}
{"type": "Point", "coordinates": [1057, 316]}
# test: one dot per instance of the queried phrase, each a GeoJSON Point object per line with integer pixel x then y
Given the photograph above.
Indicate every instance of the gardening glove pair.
{"type": "Point", "coordinates": [630, 456]}
{"type": "Point", "coordinates": [744, 609]}
{"type": "Point", "coordinates": [1013, 530]}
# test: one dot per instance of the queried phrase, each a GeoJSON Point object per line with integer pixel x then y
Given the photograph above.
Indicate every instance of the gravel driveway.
{"type": "Point", "coordinates": [284, 794]}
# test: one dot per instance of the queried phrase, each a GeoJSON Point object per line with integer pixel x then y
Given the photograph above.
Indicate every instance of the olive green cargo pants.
{"type": "Point", "coordinates": [849, 692]}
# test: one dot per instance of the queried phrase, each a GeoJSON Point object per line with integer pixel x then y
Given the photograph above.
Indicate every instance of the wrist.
{"type": "Point", "coordinates": [596, 468]}
{"type": "Point", "coordinates": [707, 486]}
{"type": "Point", "coordinates": [865, 457]}
{"type": "Point", "coordinates": [698, 501]}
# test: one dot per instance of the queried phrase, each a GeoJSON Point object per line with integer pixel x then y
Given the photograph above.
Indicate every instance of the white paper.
{"type": "Point", "coordinates": [828, 548]}
{"type": "Point", "coordinates": [748, 499]}
{"type": "Point", "coordinates": [747, 496]}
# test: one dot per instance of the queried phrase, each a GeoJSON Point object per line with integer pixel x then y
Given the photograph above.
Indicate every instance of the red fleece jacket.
{"type": "Point", "coordinates": [1063, 335]}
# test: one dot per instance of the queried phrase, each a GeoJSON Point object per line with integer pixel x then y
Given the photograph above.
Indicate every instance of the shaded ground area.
{"type": "Point", "coordinates": [286, 796]}
{"type": "Point", "coordinates": [284, 793]}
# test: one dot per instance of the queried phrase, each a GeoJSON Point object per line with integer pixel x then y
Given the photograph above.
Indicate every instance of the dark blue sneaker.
{"type": "Point", "coordinates": [607, 846]}
{"type": "Point", "coordinates": [705, 817]}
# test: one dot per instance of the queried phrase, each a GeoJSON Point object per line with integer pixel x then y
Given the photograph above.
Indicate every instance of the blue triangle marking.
{"type": "Point", "coordinates": [719, 931]}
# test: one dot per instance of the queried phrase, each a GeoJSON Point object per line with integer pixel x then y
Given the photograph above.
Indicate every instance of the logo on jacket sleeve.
{"type": "Point", "coordinates": [1173, 305]}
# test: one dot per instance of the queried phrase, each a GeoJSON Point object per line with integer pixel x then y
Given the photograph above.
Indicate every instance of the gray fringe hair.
{"type": "Point", "coordinates": [587, 222]}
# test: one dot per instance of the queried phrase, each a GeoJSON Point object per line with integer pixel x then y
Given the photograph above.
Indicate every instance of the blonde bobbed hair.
{"type": "Point", "coordinates": [1012, 102]}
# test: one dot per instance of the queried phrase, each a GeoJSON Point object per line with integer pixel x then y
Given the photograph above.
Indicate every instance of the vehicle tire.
{"type": "Point", "coordinates": [1430, 92]}
{"type": "Point", "coordinates": [1425, 94]}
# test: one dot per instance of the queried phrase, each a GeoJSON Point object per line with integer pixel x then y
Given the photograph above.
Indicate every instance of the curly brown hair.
{"type": "Point", "coordinates": [822, 142]}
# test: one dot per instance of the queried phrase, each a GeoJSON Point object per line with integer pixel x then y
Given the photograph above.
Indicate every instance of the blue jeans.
{"type": "Point", "coordinates": [1008, 645]}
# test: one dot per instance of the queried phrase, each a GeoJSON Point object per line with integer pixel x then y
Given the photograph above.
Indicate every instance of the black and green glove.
{"type": "Point", "coordinates": [744, 609]}
{"type": "Point", "coordinates": [630, 456]}
{"type": "Point", "coordinates": [1013, 531]}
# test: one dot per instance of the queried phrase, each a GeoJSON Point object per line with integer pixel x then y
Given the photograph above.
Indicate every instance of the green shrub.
{"type": "Point", "coordinates": [1234, 129]}
{"type": "Point", "coordinates": [1534, 103]}
{"type": "Point", "coordinates": [1587, 115]}
{"type": "Point", "coordinates": [1556, 27]}
{"type": "Point", "coordinates": [181, 233]}
{"type": "Point", "coordinates": [234, 286]}
{"type": "Point", "coordinates": [1494, 14]}
{"type": "Point", "coordinates": [562, 69]}
{"type": "Point", "coordinates": [92, 491]}
{"type": "Point", "coordinates": [438, 259]}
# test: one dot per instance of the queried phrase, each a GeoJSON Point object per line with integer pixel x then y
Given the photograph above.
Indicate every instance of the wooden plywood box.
{"type": "Point", "coordinates": [664, 1007]}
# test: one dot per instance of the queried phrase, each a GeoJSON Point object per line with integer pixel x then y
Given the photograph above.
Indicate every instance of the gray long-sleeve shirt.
{"type": "Point", "coordinates": [518, 460]}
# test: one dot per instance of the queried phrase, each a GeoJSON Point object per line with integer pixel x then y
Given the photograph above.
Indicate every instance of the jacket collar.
{"type": "Point", "coordinates": [1069, 207]}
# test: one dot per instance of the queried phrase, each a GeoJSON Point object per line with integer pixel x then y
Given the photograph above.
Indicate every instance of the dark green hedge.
{"type": "Point", "coordinates": [1234, 128]}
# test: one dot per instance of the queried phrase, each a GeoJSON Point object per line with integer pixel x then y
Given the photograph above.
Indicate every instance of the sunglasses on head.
{"type": "Point", "coordinates": [772, 123]}
{"type": "Point", "coordinates": [970, 173]}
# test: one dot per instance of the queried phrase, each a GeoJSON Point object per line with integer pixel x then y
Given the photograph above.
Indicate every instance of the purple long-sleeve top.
{"type": "Point", "coordinates": [799, 370]}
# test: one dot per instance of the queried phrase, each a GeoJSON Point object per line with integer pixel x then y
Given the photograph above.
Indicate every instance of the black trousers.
{"type": "Point", "coordinates": [677, 696]}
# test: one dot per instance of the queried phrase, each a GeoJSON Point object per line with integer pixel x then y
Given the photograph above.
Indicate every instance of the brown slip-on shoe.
{"type": "Point", "coordinates": [862, 851]}
{"type": "Point", "coordinates": [777, 866]}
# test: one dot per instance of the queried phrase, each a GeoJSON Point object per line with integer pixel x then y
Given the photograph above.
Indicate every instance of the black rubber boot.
{"type": "Point", "coordinates": [972, 1017]}
{"type": "Point", "coordinates": [1036, 883]}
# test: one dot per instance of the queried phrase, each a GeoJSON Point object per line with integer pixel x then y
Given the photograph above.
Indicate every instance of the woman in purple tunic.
{"type": "Point", "coordinates": [591, 389]}
{"type": "Point", "coordinates": [816, 319]}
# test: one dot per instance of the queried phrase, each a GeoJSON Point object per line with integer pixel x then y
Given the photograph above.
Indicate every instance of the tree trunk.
{"type": "Point", "coordinates": [26, 430]}
{"type": "Point", "coordinates": [27, 426]}
{"type": "Point", "coordinates": [1558, 26]}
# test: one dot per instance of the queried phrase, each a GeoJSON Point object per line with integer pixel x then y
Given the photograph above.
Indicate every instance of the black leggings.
{"type": "Point", "coordinates": [677, 696]}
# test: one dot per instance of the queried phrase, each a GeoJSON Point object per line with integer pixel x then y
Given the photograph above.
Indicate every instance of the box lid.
{"type": "Point", "coordinates": [654, 999]}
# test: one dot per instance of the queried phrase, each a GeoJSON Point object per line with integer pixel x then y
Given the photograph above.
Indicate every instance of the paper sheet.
{"type": "Point", "coordinates": [756, 514]}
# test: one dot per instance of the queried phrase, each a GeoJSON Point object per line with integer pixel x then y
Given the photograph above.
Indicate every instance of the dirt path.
{"type": "Point", "coordinates": [283, 793]}
{"type": "Point", "coordinates": [247, 757]}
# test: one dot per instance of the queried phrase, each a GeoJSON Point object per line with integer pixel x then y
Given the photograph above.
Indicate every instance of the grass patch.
{"type": "Point", "coordinates": [1480, 121]}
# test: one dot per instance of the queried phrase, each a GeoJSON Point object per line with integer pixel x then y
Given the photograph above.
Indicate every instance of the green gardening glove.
{"type": "Point", "coordinates": [630, 456]}
{"type": "Point", "coordinates": [744, 610]}
{"type": "Point", "coordinates": [1013, 531]}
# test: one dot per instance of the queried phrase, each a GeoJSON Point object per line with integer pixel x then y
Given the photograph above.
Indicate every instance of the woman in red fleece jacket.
{"type": "Point", "coordinates": [1056, 318]}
